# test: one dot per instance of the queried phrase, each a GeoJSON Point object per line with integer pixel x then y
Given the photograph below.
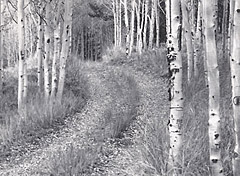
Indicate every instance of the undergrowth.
{"type": "Point", "coordinates": [195, 150]}
{"type": "Point", "coordinates": [116, 118]}
{"type": "Point", "coordinates": [39, 115]}
{"type": "Point", "coordinates": [125, 99]}
{"type": "Point", "coordinates": [73, 161]}
{"type": "Point", "coordinates": [155, 142]}
{"type": "Point", "coordinates": [150, 62]}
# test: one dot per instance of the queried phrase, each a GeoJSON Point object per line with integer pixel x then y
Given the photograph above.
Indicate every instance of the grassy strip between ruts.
{"type": "Point", "coordinates": [116, 118]}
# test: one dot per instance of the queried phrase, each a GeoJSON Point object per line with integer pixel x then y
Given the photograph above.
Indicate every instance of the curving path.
{"type": "Point", "coordinates": [132, 157]}
{"type": "Point", "coordinates": [124, 156]}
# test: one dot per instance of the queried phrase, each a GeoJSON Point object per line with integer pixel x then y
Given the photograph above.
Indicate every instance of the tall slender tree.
{"type": "Point", "coordinates": [214, 88]}
{"type": "Point", "coordinates": [39, 53]}
{"type": "Point", "coordinates": [235, 77]}
{"type": "Point", "coordinates": [47, 46]}
{"type": "Point", "coordinates": [127, 26]}
{"type": "Point", "coordinates": [132, 26]}
{"type": "Point", "coordinates": [56, 54]}
{"type": "Point", "coordinates": [65, 46]}
{"type": "Point", "coordinates": [21, 37]}
{"type": "Point", "coordinates": [145, 25]}
{"type": "Point", "coordinates": [174, 30]}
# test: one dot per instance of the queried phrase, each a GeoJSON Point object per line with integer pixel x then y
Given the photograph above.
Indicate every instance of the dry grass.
{"type": "Point", "coordinates": [73, 161]}
{"type": "Point", "coordinates": [154, 149]}
{"type": "Point", "coordinates": [195, 150]}
{"type": "Point", "coordinates": [39, 114]}
{"type": "Point", "coordinates": [123, 108]}
{"type": "Point", "coordinates": [124, 93]}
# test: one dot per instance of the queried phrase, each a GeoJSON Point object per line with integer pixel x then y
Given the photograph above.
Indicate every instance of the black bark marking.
{"type": "Point", "coordinates": [216, 136]}
{"type": "Point", "coordinates": [236, 100]}
{"type": "Point", "coordinates": [214, 161]}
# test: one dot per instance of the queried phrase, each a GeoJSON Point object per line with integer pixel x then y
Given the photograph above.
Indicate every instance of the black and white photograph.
{"type": "Point", "coordinates": [119, 87]}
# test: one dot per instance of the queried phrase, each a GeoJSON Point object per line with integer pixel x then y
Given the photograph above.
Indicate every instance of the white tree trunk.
{"type": "Point", "coordinates": [127, 26]}
{"type": "Point", "coordinates": [47, 51]}
{"type": "Point", "coordinates": [175, 92]}
{"type": "Point", "coordinates": [65, 46]}
{"type": "Point", "coordinates": [56, 56]}
{"type": "Point", "coordinates": [152, 24]}
{"type": "Point", "coordinates": [21, 38]}
{"type": "Point", "coordinates": [120, 24]}
{"type": "Point", "coordinates": [139, 27]}
{"type": "Point", "coordinates": [39, 55]}
{"type": "Point", "coordinates": [235, 77]}
{"type": "Point", "coordinates": [145, 25]}
{"type": "Point", "coordinates": [214, 89]}
{"type": "Point", "coordinates": [132, 27]}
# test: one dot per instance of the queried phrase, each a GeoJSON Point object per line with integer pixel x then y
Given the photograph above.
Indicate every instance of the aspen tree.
{"type": "Point", "coordinates": [127, 26]}
{"type": "Point", "coordinates": [21, 36]}
{"type": "Point", "coordinates": [152, 24]}
{"type": "Point", "coordinates": [188, 38]}
{"type": "Point", "coordinates": [145, 25]}
{"type": "Point", "coordinates": [47, 46]}
{"type": "Point", "coordinates": [25, 82]}
{"type": "Point", "coordinates": [117, 22]}
{"type": "Point", "coordinates": [139, 26]}
{"type": "Point", "coordinates": [65, 46]}
{"type": "Point", "coordinates": [56, 54]}
{"type": "Point", "coordinates": [39, 54]}
{"type": "Point", "coordinates": [120, 24]}
{"type": "Point", "coordinates": [132, 26]}
{"type": "Point", "coordinates": [204, 48]}
{"type": "Point", "coordinates": [214, 88]}
{"type": "Point", "coordinates": [175, 92]}
{"type": "Point", "coordinates": [235, 77]}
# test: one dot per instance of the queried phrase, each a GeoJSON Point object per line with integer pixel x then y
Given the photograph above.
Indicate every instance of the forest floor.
{"type": "Point", "coordinates": [89, 144]}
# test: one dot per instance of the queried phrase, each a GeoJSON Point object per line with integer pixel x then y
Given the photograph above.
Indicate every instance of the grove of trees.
{"type": "Point", "coordinates": [49, 33]}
